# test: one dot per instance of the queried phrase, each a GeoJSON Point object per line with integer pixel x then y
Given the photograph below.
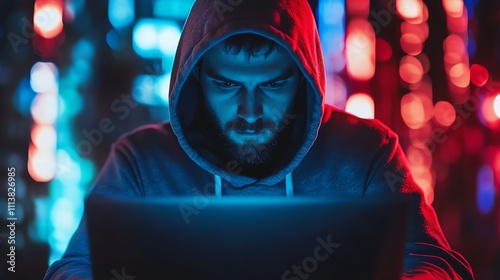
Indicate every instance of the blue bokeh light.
{"type": "Point", "coordinates": [485, 189]}
{"type": "Point", "coordinates": [121, 13]}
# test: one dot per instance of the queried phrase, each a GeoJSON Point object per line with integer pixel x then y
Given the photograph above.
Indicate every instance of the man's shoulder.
{"type": "Point", "coordinates": [149, 135]}
{"type": "Point", "coordinates": [348, 126]}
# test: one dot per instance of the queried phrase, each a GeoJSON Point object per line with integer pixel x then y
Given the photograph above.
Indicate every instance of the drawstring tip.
{"type": "Point", "coordinates": [289, 185]}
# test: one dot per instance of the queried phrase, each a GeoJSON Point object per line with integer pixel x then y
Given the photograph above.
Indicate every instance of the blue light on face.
{"type": "Point", "coordinates": [121, 12]}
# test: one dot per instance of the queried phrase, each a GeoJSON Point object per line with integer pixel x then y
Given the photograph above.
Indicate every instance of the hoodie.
{"type": "Point", "coordinates": [334, 155]}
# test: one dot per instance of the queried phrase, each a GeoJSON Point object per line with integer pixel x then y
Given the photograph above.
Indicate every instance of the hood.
{"type": "Point", "coordinates": [291, 24]}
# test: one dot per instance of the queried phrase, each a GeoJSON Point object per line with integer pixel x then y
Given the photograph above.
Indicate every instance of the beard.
{"type": "Point", "coordinates": [252, 154]}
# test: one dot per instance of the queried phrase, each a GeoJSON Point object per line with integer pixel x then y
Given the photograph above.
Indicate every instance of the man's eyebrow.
{"type": "Point", "coordinates": [211, 73]}
{"type": "Point", "coordinates": [289, 72]}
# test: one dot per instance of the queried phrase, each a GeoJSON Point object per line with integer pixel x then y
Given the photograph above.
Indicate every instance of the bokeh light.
{"type": "Point", "coordinates": [360, 50]}
{"type": "Point", "coordinates": [47, 18]}
{"type": "Point", "coordinates": [454, 8]}
{"type": "Point", "coordinates": [43, 77]}
{"type": "Point", "coordinates": [336, 92]}
{"type": "Point", "coordinates": [383, 50]}
{"type": "Point", "coordinates": [488, 110]}
{"type": "Point", "coordinates": [460, 75]}
{"type": "Point", "coordinates": [444, 113]}
{"type": "Point", "coordinates": [485, 189]}
{"type": "Point", "coordinates": [409, 9]}
{"type": "Point", "coordinates": [479, 75]}
{"type": "Point", "coordinates": [156, 38]}
{"type": "Point", "coordinates": [411, 43]}
{"type": "Point", "coordinates": [496, 105]}
{"type": "Point", "coordinates": [44, 108]}
{"type": "Point", "coordinates": [44, 137]}
{"type": "Point", "coordinates": [121, 12]}
{"type": "Point", "coordinates": [41, 164]}
{"type": "Point", "coordinates": [361, 105]}
{"type": "Point", "coordinates": [416, 109]}
{"type": "Point", "coordinates": [410, 69]}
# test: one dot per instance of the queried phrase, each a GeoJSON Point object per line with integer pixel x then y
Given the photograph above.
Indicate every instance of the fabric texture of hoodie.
{"type": "Point", "coordinates": [336, 155]}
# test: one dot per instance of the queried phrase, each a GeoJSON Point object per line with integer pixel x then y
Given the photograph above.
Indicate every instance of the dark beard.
{"type": "Point", "coordinates": [250, 153]}
{"type": "Point", "coordinates": [255, 158]}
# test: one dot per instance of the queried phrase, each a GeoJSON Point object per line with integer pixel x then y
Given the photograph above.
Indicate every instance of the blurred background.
{"type": "Point", "coordinates": [76, 74]}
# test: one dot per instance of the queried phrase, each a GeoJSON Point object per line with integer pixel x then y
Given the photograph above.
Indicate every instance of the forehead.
{"type": "Point", "coordinates": [217, 59]}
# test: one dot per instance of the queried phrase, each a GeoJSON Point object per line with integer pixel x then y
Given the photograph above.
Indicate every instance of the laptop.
{"type": "Point", "coordinates": [246, 238]}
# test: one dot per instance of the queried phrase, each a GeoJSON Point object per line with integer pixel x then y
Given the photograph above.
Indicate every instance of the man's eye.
{"type": "Point", "coordinates": [275, 85]}
{"type": "Point", "coordinates": [224, 85]}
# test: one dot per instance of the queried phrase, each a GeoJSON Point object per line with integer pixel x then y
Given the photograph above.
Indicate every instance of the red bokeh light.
{"type": "Point", "coordinates": [411, 70]}
{"type": "Point", "coordinates": [444, 113]}
{"type": "Point", "coordinates": [383, 50]}
{"type": "Point", "coordinates": [479, 75]}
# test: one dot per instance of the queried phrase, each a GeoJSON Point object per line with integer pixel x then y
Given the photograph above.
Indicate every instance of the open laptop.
{"type": "Point", "coordinates": [246, 238]}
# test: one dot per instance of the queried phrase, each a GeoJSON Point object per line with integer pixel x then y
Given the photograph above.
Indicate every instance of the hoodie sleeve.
{"type": "Point", "coordinates": [427, 253]}
{"type": "Point", "coordinates": [117, 179]}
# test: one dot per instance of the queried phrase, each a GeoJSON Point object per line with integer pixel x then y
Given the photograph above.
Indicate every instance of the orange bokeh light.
{"type": "Point", "coordinates": [416, 109]}
{"type": "Point", "coordinates": [411, 43]}
{"type": "Point", "coordinates": [409, 9]}
{"type": "Point", "coordinates": [460, 75]}
{"type": "Point", "coordinates": [444, 113]}
{"type": "Point", "coordinates": [421, 30]}
{"type": "Point", "coordinates": [453, 8]}
{"type": "Point", "coordinates": [361, 105]}
{"type": "Point", "coordinates": [411, 70]}
{"type": "Point", "coordinates": [44, 137]}
{"type": "Point", "coordinates": [41, 164]}
{"type": "Point", "coordinates": [360, 49]}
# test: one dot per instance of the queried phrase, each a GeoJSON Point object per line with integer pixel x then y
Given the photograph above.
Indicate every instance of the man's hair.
{"type": "Point", "coordinates": [251, 44]}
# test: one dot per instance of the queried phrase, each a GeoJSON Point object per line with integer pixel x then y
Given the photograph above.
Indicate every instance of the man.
{"type": "Point", "coordinates": [247, 112]}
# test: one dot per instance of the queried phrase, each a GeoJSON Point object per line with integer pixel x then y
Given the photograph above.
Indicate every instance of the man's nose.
{"type": "Point", "coordinates": [250, 107]}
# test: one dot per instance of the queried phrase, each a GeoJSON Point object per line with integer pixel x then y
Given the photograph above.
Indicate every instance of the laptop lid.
{"type": "Point", "coordinates": [246, 238]}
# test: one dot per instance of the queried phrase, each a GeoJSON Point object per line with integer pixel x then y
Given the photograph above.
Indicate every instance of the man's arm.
{"type": "Point", "coordinates": [75, 264]}
{"type": "Point", "coordinates": [428, 255]}
{"type": "Point", "coordinates": [118, 178]}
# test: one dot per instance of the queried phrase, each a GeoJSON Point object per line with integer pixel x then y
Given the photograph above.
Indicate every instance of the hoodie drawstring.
{"type": "Point", "coordinates": [218, 186]}
{"type": "Point", "coordinates": [288, 185]}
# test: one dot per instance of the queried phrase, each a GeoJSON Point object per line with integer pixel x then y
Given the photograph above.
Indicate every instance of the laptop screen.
{"type": "Point", "coordinates": [247, 238]}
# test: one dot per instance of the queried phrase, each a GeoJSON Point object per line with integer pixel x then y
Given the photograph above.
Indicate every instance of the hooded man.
{"type": "Point", "coordinates": [247, 117]}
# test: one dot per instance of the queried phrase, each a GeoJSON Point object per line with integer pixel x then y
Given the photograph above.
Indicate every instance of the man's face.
{"type": "Point", "coordinates": [249, 97]}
